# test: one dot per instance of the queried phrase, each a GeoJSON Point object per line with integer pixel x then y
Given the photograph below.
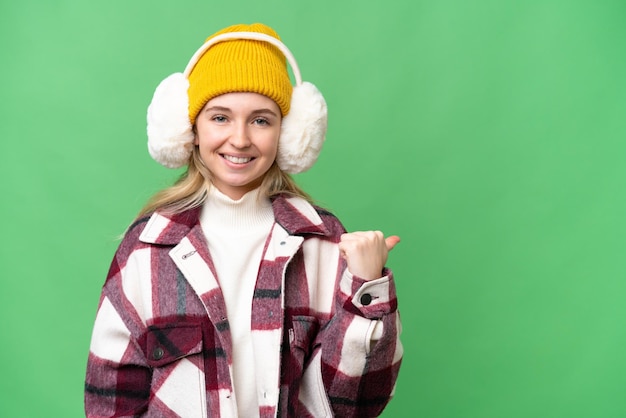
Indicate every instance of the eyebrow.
{"type": "Point", "coordinates": [227, 109]}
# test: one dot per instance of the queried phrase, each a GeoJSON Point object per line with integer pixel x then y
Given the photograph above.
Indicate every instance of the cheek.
{"type": "Point", "coordinates": [203, 133]}
{"type": "Point", "coordinates": [272, 145]}
{"type": "Point", "coordinates": [204, 138]}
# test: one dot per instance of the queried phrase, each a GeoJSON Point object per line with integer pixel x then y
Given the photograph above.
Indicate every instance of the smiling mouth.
{"type": "Point", "coordinates": [237, 160]}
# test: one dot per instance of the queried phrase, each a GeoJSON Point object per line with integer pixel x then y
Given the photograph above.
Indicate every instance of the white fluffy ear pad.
{"type": "Point", "coordinates": [170, 135]}
{"type": "Point", "coordinates": [303, 130]}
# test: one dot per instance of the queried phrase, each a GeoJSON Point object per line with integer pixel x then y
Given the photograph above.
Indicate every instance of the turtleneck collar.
{"type": "Point", "coordinates": [240, 217]}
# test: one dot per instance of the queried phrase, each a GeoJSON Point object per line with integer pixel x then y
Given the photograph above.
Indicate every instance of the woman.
{"type": "Point", "coordinates": [232, 294]}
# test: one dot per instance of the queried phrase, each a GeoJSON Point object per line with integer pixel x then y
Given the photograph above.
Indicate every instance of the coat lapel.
{"type": "Point", "coordinates": [191, 256]}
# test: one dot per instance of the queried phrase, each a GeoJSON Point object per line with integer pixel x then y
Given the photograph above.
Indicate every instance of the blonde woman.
{"type": "Point", "coordinates": [232, 294]}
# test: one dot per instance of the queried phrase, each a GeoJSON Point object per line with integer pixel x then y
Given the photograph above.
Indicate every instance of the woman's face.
{"type": "Point", "coordinates": [237, 135]}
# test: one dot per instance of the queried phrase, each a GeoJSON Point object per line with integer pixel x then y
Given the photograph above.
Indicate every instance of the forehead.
{"type": "Point", "coordinates": [243, 101]}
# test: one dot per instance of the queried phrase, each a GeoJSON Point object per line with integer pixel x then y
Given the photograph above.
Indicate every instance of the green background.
{"type": "Point", "coordinates": [490, 135]}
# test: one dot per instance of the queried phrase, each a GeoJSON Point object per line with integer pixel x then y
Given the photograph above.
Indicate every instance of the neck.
{"type": "Point", "coordinates": [241, 216]}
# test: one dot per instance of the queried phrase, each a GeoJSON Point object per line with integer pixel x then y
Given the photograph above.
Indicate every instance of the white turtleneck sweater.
{"type": "Point", "coordinates": [236, 232]}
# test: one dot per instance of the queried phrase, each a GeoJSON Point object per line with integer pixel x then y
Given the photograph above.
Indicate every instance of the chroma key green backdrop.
{"type": "Point", "coordinates": [490, 135]}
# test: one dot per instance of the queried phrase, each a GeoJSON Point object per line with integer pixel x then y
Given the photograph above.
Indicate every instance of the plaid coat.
{"type": "Point", "coordinates": [161, 344]}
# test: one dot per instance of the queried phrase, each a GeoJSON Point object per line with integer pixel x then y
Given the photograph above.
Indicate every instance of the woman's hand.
{"type": "Point", "coordinates": [366, 252]}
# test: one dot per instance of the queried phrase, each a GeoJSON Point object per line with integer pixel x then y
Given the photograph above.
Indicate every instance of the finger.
{"type": "Point", "coordinates": [392, 241]}
{"type": "Point", "coordinates": [358, 234]}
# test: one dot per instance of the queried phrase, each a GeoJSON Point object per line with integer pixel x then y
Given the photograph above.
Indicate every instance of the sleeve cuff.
{"type": "Point", "coordinates": [373, 298]}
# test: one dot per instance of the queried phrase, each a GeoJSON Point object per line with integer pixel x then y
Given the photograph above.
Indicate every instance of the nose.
{"type": "Point", "coordinates": [240, 137]}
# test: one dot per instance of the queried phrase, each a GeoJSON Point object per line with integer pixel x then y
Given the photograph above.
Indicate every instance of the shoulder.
{"type": "Point", "coordinates": [130, 244]}
{"type": "Point", "coordinates": [300, 217]}
{"type": "Point", "coordinates": [132, 235]}
{"type": "Point", "coordinates": [331, 222]}
{"type": "Point", "coordinates": [156, 229]}
{"type": "Point", "coordinates": [137, 226]}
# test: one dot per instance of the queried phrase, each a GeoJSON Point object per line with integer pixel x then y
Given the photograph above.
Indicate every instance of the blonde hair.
{"type": "Point", "coordinates": [191, 189]}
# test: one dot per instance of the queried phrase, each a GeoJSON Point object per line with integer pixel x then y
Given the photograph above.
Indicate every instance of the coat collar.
{"type": "Point", "coordinates": [294, 214]}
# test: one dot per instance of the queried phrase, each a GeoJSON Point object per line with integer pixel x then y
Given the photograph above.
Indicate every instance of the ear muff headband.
{"type": "Point", "coordinates": [303, 129]}
{"type": "Point", "coordinates": [253, 36]}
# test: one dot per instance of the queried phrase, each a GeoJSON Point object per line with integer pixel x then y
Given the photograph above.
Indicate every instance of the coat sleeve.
{"type": "Point", "coordinates": [360, 368]}
{"type": "Point", "coordinates": [361, 350]}
{"type": "Point", "coordinates": [118, 378]}
{"type": "Point", "coordinates": [118, 381]}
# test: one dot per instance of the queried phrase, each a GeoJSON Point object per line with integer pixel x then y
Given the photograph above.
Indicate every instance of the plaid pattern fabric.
{"type": "Point", "coordinates": [328, 341]}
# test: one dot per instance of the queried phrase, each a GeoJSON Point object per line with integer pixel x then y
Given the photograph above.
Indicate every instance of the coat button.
{"type": "Point", "coordinates": [366, 299]}
{"type": "Point", "coordinates": [158, 353]}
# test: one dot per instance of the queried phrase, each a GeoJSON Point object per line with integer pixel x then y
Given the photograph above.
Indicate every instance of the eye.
{"type": "Point", "coordinates": [219, 118]}
{"type": "Point", "coordinates": [261, 121]}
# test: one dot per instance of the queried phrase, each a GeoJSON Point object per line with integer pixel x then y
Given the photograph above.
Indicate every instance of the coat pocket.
{"type": "Point", "coordinates": [174, 352]}
{"type": "Point", "coordinates": [309, 395]}
{"type": "Point", "coordinates": [168, 343]}
{"type": "Point", "coordinates": [301, 338]}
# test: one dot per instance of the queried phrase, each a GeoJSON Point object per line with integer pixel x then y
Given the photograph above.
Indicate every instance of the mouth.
{"type": "Point", "coordinates": [237, 160]}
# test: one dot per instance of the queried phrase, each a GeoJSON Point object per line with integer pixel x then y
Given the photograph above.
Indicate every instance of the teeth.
{"type": "Point", "coordinates": [237, 160]}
